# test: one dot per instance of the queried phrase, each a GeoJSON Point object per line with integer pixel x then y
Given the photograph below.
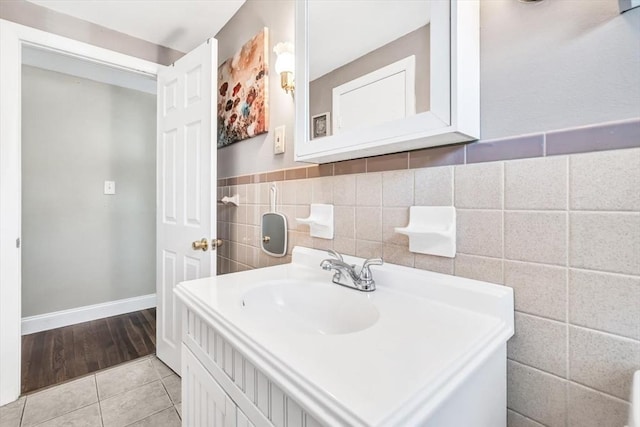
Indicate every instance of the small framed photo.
{"type": "Point", "coordinates": [320, 125]}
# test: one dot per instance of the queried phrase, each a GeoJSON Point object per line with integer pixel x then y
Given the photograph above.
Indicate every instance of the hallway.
{"type": "Point", "coordinates": [59, 355]}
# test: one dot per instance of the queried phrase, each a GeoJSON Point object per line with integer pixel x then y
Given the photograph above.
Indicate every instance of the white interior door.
{"type": "Point", "coordinates": [186, 177]}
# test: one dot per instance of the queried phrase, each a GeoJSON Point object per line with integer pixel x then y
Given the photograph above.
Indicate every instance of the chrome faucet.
{"type": "Point", "coordinates": [349, 275]}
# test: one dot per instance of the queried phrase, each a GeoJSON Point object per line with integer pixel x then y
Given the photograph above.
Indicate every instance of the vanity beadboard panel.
{"type": "Point", "coordinates": [250, 397]}
{"type": "Point", "coordinates": [205, 402]}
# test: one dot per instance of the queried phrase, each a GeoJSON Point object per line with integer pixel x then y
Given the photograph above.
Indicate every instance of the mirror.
{"type": "Point", "coordinates": [383, 76]}
{"type": "Point", "coordinates": [626, 5]}
{"type": "Point", "coordinates": [376, 74]}
{"type": "Point", "coordinates": [274, 234]}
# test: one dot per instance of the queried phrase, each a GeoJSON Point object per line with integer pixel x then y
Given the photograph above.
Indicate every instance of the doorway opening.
{"type": "Point", "coordinates": [185, 181]}
{"type": "Point", "coordinates": [88, 216]}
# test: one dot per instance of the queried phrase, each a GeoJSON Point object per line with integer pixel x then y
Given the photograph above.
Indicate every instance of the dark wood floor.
{"type": "Point", "coordinates": [58, 355]}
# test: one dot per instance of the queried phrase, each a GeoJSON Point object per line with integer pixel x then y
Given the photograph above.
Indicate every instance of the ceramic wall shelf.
{"type": "Point", "coordinates": [233, 200]}
{"type": "Point", "coordinates": [431, 230]}
{"type": "Point", "coordinates": [320, 221]}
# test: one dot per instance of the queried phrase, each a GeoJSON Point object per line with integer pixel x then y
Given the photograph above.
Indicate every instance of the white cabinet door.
{"type": "Point", "coordinates": [378, 97]}
{"type": "Point", "coordinates": [186, 173]}
{"type": "Point", "coordinates": [204, 402]}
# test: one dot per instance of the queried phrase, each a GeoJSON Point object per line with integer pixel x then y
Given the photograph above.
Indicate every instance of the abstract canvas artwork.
{"type": "Point", "coordinates": [243, 84]}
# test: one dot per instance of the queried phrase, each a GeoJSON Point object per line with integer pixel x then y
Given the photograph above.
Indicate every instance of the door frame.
{"type": "Point", "coordinates": [12, 37]}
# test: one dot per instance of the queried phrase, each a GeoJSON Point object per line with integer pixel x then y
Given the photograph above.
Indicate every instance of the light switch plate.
{"type": "Point", "coordinates": [109, 187]}
{"type": "Point", "coordinates": [278, 140]}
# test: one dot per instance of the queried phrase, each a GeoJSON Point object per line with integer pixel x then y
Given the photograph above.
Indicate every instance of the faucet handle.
{"type": "Point", "coordinates": [372, 261]}
{"type": "Point", "coordinates": [365, 272]}
{"type": "Point", "coordinates": [335, 254]}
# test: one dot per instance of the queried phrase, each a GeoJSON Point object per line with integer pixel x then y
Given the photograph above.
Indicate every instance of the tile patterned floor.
{"type": "Point", "coordinates": [144, 392]}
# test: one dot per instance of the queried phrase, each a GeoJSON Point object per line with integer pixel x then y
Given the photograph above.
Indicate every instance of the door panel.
{"type": "Point", "coordinates": [169, 177]}
{"type": "Point", "coordinates": [186, 177]}
{"type": "Point", "coordinates": [166, 308]}
{"type": "Point", "coordinates": [191, 268]}
{"type": "Point", "coordinates": [193, 90]}
{"type": "Point", "coordinates": [192, 152]}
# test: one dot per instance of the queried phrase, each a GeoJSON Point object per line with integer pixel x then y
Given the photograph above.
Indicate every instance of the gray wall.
{"type": "Point", "coordinates": [33, 15]}
{"type": "Point", "coordinates": [415, 43]}
{"type": "Point", "coordinates": [256, 154]}
{"type": "Point", "coordinates": [557, 64]}
{"type": "Point", "coordinates": [544, 66]}
{"type": "Point", "coordinates": [81, 247]}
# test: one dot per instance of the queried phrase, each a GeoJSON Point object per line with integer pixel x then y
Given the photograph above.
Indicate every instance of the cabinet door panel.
{"type": "Point", "coordinates": [205, 404]}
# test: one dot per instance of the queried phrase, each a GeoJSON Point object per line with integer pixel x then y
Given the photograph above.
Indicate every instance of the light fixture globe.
{"type": "Point", "coordinates": [285, 65]}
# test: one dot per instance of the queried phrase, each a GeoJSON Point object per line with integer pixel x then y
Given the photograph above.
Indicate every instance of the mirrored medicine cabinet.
{"type": "Point", "coordinates": [383, 76]}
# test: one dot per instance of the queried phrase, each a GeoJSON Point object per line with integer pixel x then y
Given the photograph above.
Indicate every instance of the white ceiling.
{"type": "Point", "coordinates": [178, 24]}
{"type": "Point", "coordinates": [341, 31]}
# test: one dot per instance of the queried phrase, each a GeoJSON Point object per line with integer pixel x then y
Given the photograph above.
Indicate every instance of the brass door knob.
{"type": "Point", "coordinates": [266, 239]}
{"type": "Point", "coordinates": [202, 244]}
{"type": "Point", "coordinates": [216, 243]}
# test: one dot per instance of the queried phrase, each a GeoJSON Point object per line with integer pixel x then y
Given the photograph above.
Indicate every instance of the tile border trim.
{"type": "Point", "coordinates": [600, 137]}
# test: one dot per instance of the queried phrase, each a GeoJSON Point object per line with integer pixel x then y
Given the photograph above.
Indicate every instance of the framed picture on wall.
{"type": "Point", "coordinates": [320, 125]}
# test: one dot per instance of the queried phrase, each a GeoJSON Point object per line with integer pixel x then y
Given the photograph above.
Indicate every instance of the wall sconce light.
{"type": "Point", "coordinates": [285, 65]}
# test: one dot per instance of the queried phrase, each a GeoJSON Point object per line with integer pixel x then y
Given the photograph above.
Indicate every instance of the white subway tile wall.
{"type": "Point", "coordinates": [563, 231]}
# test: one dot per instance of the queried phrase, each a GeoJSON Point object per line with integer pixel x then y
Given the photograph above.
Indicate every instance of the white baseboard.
{"type": "Point", "coordinates": [57, 319]}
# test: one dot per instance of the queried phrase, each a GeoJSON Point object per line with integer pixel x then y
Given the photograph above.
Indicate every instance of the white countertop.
{"type": "Point", "coordinates": [432, 330]}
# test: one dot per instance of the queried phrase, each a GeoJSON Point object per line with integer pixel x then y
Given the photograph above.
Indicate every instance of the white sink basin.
{"type": "Point", "coordinates": [314, 307]}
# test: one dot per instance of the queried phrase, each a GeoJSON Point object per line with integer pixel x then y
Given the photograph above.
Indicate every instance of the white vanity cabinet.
{"type": "Point", "coordinates": [283, 346]}
{"type": "Point", "coordinates": [221, 388]}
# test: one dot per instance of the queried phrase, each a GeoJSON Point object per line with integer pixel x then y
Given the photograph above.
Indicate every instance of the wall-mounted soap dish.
{"type": "Point", "coordinates": [431, 230]}
{"type": "Point", "coordinates": [233, 200]}
{"type": "Point", "coordinates": [320, 221]}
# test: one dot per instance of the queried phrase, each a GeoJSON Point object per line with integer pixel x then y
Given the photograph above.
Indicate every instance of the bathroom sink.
{"type": "Point", "coordinates": [313, 307]}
